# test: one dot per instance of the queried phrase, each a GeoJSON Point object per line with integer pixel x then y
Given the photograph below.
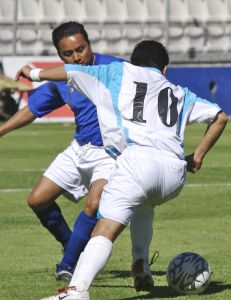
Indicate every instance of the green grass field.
{"type": "Point", "coordinates": [198, 220]}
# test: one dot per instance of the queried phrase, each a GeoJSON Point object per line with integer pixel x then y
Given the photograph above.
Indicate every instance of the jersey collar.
{"type": "Point", "coordinates": [153, 69]}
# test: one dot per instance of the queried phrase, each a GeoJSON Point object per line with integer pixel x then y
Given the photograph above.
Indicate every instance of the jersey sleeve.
{"type": "Point", "coordinates": [85, 79]}
{"type": "Point", "coordinates": [92, 81]}
{"type": "Point", "coordinates": [47, 98]}
{"type": "Point", "coordinates": [101, 84]}
{"type": "Point", "coordinates": [202, 110]}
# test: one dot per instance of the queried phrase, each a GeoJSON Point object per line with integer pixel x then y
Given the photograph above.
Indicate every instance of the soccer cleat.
{"type": "Point", "coordinates": [69, 293]}
{"type": "Point", "coordinates": [143, 280]}
{"type": "Point", "coordinates": [63, 274]}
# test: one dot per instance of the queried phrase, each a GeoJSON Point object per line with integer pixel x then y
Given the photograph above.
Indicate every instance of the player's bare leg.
{"type": "Point", "coordinates": [108, 228]}
{"type": "Point", "coordinates": [44, 194]}
{"type": "Point", "coordinates": [93, 197]}
{"type": "Point", "coordinates": [42, 201]}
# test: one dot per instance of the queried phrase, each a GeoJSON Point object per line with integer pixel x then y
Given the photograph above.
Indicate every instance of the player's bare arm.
{"type": "Point", "coordinates": [57, 73]}
{"type": "Point", "coordinates": [23, 72]}
{"type": "Point", "coordinates": [212, 134]}
{"type": "Point", "coordinates": [19, 119]}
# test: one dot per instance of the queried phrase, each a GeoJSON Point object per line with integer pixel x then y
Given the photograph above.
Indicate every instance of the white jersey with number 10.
{"type": "Point", "coordinates": [137, 105]}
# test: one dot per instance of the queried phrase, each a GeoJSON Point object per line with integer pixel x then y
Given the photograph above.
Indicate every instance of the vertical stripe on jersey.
{"type": "Point", "coordinates": [110, 76]}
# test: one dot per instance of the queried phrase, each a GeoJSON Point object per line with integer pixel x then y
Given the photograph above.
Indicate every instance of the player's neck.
{"type": "Point", "coordinates": [94, 58]}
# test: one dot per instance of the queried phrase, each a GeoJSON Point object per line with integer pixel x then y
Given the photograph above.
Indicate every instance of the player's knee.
{"type": "Point", "coordinates": [90, 207]}
{"type": "Point", "coordinates": [31, 200]}
{"type": "Point", "coordinates": [34, 200]}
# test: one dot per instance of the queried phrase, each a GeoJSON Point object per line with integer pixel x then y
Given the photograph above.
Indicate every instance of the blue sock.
{"type": "Point", "coordinates": [52, 219]}
{"type": "Point", "coordinates": [81, 234]}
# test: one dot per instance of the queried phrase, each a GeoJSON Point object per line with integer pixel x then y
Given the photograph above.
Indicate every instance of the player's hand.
{"type": "Point", "coordinates": [23, 72]}
{"type": "Point", "coordinates": [193, 163]}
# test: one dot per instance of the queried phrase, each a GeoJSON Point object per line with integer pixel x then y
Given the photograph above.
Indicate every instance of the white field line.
{"type": "Point", "coordinates": [42, 169]}
{"type": "Point", "coordinates": [190, 185]}
{"type": "Point", "coordinates": [194, 185]}
{"type": "Point", "coordinates": [24, 170]}
{"type": "Point", "coordinates": [14, 190]}
{"type": "Point", "coordinates": [216, 167]}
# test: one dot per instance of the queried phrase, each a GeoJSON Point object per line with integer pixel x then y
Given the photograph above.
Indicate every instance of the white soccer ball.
{"type": "Point", "coordinates": [189, 273]}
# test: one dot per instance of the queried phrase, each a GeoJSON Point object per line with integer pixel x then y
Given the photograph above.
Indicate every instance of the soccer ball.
{"type": "Point", "coordinates": [189, 273]}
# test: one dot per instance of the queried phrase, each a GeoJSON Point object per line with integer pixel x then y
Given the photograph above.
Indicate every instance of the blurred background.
{"type": "Point", "coordinates": [197, 34]}
{"type": "Point", "coordinates": [191, 29]}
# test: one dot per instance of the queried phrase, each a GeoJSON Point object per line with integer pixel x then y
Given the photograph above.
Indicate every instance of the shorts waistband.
{"type": "Point", "coordinates": [81, 144]}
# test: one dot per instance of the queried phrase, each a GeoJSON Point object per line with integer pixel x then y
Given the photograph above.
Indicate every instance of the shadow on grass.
{"type": "Point", "coordinates": [166, 292]}
{"type": "Point", "coordinates": [160, 291]}
{"type": "Point", "coordinates": [217, 287]}
{"type": "Point", "coordinates": [126, 274]}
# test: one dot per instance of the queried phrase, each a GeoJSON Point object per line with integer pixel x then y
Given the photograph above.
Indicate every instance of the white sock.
{"type": "Point", "coordinates": [141, 231]}
{"type": "Point", "coordinates": [91, 262]}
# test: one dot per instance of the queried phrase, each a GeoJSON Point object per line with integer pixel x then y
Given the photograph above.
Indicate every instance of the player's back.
{"type": "Point", "coordinates": [149, 105]}
{"type": "Point", "coordinates": [135, 105]}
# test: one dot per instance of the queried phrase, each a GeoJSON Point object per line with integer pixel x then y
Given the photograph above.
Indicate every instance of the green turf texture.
{"type": "Point", "coordinates": [198, 220]}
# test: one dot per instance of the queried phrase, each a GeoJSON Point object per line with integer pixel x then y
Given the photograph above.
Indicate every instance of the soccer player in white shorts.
{"type": "Point", "coordinates": [142, 118]}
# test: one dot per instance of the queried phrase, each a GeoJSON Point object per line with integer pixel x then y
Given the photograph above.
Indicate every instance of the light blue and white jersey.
{"type": "Point", "coordinates": [137, 105]}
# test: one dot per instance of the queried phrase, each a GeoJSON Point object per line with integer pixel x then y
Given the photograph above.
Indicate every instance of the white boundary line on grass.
{"type": "Point", "coordinates": [24, 170]}
{"type": "Point", "coordinates": [190, 185]}
{"type": "Point", "coordinates": [42, 169]}
{"type": "Point", "coordinates": [207, 184]}
{"type": "Point", "coordinates": [216, 167]}
{"type": "Point", "coordinates": [14, 190]}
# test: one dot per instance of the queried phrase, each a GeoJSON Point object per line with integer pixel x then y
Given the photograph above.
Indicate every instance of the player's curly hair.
{"type": "Point", "coordinates": [68, 29]}
{"type": "Point", "coordinates": [150, 53]}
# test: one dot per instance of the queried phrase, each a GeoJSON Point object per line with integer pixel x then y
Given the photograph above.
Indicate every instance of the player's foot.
{"type": "Point", "coordinates": [63, 274]}
{"type": "Point", "coordinates": [143, 280]}
{"type": "Point", "coordinates": [69, 293]}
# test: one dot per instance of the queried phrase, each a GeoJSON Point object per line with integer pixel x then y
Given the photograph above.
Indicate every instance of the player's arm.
{"type": "Point", "coordinates": [57, 74]}
{"type": "Point", "coordinates": [19, 119]}
{"type": "Point", "coordinates": [212, 134]}
{"type": "Point", "coordinates": [65, 73]}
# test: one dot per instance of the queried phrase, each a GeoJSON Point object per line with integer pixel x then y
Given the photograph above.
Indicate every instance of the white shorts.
{"type": "Point", "coordinates": [77, 167]}
{"type": "Point", "coordinates": [143, 176]}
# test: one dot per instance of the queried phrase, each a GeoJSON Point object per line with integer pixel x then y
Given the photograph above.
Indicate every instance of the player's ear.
{"type": "Point", "coordinates": [164, 70]}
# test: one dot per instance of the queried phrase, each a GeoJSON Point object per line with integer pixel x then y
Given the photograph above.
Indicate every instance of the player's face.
{"type": "Point", "coordinates": [74, 49]}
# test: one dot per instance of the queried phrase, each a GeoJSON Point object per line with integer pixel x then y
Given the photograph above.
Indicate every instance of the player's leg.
{"type": "Point", "coordinates": [42, 201]}
{"type": "Point", "coordinates": [92, 260]}
{"type": "Point", "coordinates": [95, 166]}
{"type": "Point", "coordinates": [82, 230]}
{"type": "Point", "coordinates": [139, 175]}
{"type": "Point", "coordinates": [115, 211]}
{"type": "Point", "coordinates": [62, 175]}
{"type": "Point", "coordinates": [141, 231]}
{"type": "Point", "coordinates": [120, 196]}
{"type": "Point", "coordinates": [96, 253]}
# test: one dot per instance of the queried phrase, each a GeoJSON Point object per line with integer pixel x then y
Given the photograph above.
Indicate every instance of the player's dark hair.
{"type": "Point", "coordinates": [150, 53]}
{"type": "Point", "coordinates": [68, 29]}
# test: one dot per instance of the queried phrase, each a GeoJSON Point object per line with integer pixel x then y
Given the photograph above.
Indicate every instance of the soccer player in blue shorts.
{"type": "Point", "coordinates": [142, 118]}
{"type": "Point", "coordinates": [83, 166]}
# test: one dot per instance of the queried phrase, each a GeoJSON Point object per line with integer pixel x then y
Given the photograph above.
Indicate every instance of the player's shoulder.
{"type": "Point", "coordinates": [106, 59]}
{"type": "Point", "coordinates": [48, 84]}
{"type": "Point", "coordinates": [177, 90]}
{"type": "Point", "coordinates": [49, 87]}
